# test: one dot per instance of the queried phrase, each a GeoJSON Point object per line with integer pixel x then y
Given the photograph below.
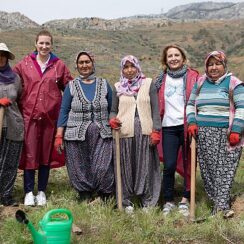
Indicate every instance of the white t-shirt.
{"type": "Point", "coordinates": [174, 102]}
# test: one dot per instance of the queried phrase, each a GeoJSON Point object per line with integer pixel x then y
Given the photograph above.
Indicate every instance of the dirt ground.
{"type": "Point", "coordinates": [238, 205]}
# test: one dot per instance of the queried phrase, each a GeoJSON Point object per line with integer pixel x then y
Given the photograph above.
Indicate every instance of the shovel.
{"type": "Point", "coordinates": [192, 217]}
{"type": "Point", "coordinates": [1, 120]}
{"type": "Point", "coordinates": [118, 171]}
{"type": "Point", "coordinates": [193, 179]}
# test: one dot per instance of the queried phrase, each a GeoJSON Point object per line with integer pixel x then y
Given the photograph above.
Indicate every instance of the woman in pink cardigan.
{"type": "Point", "coordinates": [174, 85]}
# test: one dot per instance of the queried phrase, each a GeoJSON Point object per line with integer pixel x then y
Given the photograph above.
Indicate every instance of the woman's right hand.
{"type": "Point", "coordinates": [115, 123]}
{"type": "Point", "coordinates": [192, 130]}
{"type": "Point", "coordinates": [5, 102]}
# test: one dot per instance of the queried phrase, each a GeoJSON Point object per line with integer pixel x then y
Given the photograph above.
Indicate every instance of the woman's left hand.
{"type": "Point", "coordinates": [234, 138]}
{"type": "Point", "coordinates": [155, 137]}
{"type": "Point", "coordinates": [59, 144]}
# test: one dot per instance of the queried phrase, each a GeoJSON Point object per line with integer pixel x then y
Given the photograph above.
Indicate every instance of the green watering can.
{"type": "Point", "coordinates": [53, 229]}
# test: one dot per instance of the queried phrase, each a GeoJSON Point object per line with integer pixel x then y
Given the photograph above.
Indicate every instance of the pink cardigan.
{"type": "Point", "coordinates": [191, 78]}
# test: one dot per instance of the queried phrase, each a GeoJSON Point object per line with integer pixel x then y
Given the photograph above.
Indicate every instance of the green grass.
{"type": "Point", "coordinates": [103, 223]}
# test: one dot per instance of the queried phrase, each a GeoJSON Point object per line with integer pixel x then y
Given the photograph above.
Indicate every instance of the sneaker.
{"type": "Point", "coordinates": [168, 207]}
{"type": "Point", "coordinates": [41, 199]}
{"type": "Point", "coordinates": [184, 209]}
{"type": "Point", "coordinates": [129, 209]}
{"type": "Point", "coordinates": [29, 199]}
{"type": "Point", "coordinates": [228, 213]}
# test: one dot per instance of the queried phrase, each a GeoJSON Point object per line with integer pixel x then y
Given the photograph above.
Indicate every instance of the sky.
{"type": "Point", "coordinates": [45, 10]}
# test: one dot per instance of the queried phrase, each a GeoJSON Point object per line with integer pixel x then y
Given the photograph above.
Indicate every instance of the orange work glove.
{"type": "Point", "coordinates": [234, 138]}
{"type": "Point", "coordinates": [155, 137]}
{"type": "Point", "coordinates": [192, 130]}
{"type": "Point", "coordinates": [5, 101]}
{"type": "Point", "coordinates": [59, 144]}
{"type": "Point", "coordinates": [115, 123]}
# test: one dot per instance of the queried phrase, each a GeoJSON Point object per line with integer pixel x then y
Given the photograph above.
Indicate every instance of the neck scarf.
{"type": "Point", "coordinates": [177, 73]}
{"type": "Point", "coordinates": [130, 87]}
{"type": "Point", "coordinates": [92, 76]}
{"type": "Point", "coordinates": [173, 74]}
{"type": "Point", "coordinates": [7, 75]}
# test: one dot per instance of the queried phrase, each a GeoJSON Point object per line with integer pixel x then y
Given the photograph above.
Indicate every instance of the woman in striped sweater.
{"type": "Point", "coordinates": [215, 113]}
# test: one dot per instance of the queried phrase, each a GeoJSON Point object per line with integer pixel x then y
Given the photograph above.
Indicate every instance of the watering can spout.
{"type": "Point", "coordinates": [37, 236]}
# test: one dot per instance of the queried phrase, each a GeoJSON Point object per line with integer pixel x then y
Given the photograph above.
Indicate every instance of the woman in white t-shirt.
{"type": "Point", "coordinates": [174, 84]}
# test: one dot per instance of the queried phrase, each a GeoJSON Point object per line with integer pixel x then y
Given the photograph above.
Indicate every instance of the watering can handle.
{"type": "Point", "coordinates": [49, 214]}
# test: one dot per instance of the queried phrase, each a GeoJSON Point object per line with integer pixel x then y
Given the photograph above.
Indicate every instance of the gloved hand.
{"type": "Point", "coordinates": [234, 138]}
{"type": "Point", "coordinates": [5, 101]}
{"type": "Point", "coordinates": [115, 123]}
{"type": "Point", "coordinates": [155, 137]}
{"type": "Point", "coordinates": [58, 143]}
{"type": "Point", "coordinates": [192, 130]}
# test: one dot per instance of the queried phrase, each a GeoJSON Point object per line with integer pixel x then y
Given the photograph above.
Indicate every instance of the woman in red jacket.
{"type": "Point", "coordinates": [43, 78]}
{"type": "Point", "coordinates": [175, 84]}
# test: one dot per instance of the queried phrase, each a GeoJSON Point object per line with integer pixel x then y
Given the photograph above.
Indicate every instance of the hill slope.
{"type": "Point", "coordinates": [109, 46]}
{"type": "Point", "coordinates": [15, 20]}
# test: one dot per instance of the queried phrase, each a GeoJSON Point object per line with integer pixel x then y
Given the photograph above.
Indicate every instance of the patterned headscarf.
{"type": "Point", "coordinates": [91, 57]}
{"type": "Point", "coordinates": [126, 86]}
{"type": "Point", "coordinates": [218, 55]}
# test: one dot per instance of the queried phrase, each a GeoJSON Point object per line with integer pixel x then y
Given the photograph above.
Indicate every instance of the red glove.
{"type": "Point", "coordinates": [58, 143]}
{"type": "Point", "coordinates": [192, 130]}
{"type": "Point", "coordinates": [155, 137]}
{"type": "Point", "coordinates": [5, 101]}
{"type": "Point", "coordinates": [234, 138]}
{"type": "Point", "coordinates": [115, 123]}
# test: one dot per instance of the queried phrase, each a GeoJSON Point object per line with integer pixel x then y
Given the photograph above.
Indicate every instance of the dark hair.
{"type": "Point", "coordinates": [164, 54]}
{"type": "Point", "coordinates": [5, 54]}
{"type": "Point", "coordinates": [44, 33]}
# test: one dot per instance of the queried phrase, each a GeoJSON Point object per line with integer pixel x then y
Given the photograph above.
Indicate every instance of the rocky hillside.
{"type": "Point", "coordinates": [201, 11]}
{"type": "Point", "coordinates": [15, 20]}
{"type": "Point", "coordinates": [207, 10]}
{"type": "Point", "coordinates": [102, 24]}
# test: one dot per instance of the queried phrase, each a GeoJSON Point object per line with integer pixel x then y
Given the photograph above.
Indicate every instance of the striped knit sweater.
{"type": "Point", "coordinates": [213, 105]}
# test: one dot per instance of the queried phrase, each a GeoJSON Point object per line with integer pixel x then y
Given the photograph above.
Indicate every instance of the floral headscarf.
{"type": "Point", "coordinates": [221, 57]}
{"type": "Point", "coordinates": [218, 55]}
{"type": "Point", "coordinates": [126, 86]}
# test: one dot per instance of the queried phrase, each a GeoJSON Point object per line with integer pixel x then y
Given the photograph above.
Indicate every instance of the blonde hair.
{"type": "Point", "coordinates": [164, 55]}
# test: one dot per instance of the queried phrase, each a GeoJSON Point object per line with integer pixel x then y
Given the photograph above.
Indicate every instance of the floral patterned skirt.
{"type": "Point", "coordinates": [217, 164]}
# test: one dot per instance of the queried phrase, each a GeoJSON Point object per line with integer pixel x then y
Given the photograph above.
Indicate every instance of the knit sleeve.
{"type": "Point", "coordinates": [65, 108]}
{"type": "Point", "coordinates": [109, 96]}
{"type": "Point", "coordinates": [238, 97]}
{"type": "Point", "coordinates": [190, 109]}
{"type": "Point", "coordinates": [154, 107]}
{"type": "Point", "coordinates": [115, 104]}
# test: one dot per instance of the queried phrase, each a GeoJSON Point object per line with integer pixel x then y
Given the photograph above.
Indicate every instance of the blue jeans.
{"type": "Point", "coordinates": [173, 138]}
{"type": "Point", "coordinates": [29, 178]}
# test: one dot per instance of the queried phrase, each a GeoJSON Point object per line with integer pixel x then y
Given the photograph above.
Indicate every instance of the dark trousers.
{"type": "Point", "coordinates": [29, 178]}
{"type": "Point", "coordinates": [173, 138]}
